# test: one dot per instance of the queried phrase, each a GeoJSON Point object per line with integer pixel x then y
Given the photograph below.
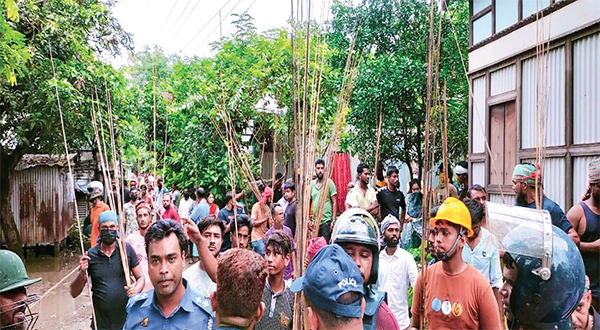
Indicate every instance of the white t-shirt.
{"type": "Point", "coordinates": [185, 207]}
{"type": "Point", "coordinates": [199, 280]}
{"type": "Point", "coordinates": [396, 273]}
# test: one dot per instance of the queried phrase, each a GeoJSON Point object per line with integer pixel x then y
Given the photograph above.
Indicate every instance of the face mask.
{"type": "Point", "coordinates": [108, 236]}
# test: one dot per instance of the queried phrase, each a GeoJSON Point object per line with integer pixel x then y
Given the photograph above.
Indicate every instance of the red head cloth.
{"type": "Point", "coordinates": [266, 194]}
{"type": "Point", "coordinates": [143, 205]}
{"type": "Point", "coordinates": [314, 245]}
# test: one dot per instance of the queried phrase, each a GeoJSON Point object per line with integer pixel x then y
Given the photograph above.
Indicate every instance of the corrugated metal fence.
{"type": "Point", "coordinates": [42, 204]}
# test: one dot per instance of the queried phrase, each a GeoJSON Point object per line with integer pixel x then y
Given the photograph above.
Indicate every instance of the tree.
{"type": "Point", "coordinates": [392, 36]}
{"type": "Point", "coordinates": [74, 33]}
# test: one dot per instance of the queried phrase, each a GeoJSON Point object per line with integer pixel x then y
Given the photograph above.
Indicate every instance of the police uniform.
{"type": "Point", "coordinates": [193, 312]}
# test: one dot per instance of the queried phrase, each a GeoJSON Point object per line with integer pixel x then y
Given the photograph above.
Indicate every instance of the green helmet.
{"type": "Point", "coordinates": [358, 226]}
{"type": "Point", "coordinates": [12, 272]}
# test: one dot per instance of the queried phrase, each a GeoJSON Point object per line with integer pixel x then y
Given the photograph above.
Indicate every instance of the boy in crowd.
{"type": "Point", "coordinates": [278, 300]}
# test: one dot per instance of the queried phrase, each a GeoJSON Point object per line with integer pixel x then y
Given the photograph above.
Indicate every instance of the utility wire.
{"type": "Point", "coordinates": [232, 26]}
{"type": "Point", "coordinates": [216, 27]}
{"type": "Point", "coordinates": [178, 18]}
{"type": "Point", "coordinates": [169, 15]}
{"type": "Point", "coordinates": [186, 18]}
{"type": "Point", "coordinates": [205, 25]}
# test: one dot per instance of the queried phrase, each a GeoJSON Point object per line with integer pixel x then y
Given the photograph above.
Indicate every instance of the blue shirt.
{"type": "Point", "coordinates": [199, 212]}
{"type": "Point", "coordinates": [193, 312]}
{"type": "Point", "coordinates": [485, 258]}
{"type": "Point", "coordinates": [559, 219]}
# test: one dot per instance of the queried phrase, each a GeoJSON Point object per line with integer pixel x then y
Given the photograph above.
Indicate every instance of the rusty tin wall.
{"type": "Point", "coordinates": [42, 204]}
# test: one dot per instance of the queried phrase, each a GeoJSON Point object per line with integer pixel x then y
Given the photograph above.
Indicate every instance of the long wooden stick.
{"type": "Point", "coordinates": [71, 182]}
{"type": "Point", "coordinates": [426, 186]}
{"type": "Point", "coordinates": [377, 144]}
{"type": "Point", "coordinates": [121, 241]}
{"type": "Point", "coordinates": [56, 285]}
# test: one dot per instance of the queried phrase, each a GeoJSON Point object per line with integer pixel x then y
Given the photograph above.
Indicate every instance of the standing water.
{"type": "Point", "coordinates": [58, 310]}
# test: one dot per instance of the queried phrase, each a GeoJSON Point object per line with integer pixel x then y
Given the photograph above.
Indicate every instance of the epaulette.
{"type": "Point", "coordinates": [204, 304]}
{"type": "Point", "coordinates": [138, 298]}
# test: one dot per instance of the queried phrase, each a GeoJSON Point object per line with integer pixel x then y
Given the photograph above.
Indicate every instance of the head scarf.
{"type": "Point", "coordinates": [108, 216]}
{"type": "Point", "coordinates": [266, 194]}
{"type": "Point", "coordinates": [387, 221]}
{"type": "Point", "coordinates": [314, 245]}
{"type": "Point", "coordinates": [460, 170]}
{"type": "Point", "coordinates": [594, 171]}
{"type": "Point", "coordinates": [526, 173]}
{"type": "Point", "coordinates": [143, 205]}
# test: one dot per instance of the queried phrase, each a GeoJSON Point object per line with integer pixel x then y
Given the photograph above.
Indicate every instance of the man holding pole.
{"type": "Point", "coordinates": [104, 266]}
{"type": "Point", "coordinates": [330, 208]}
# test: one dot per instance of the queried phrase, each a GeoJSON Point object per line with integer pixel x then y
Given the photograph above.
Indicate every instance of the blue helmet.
{"type": "Point", "coordinates": [356, 225]}
{"type": "Point", "coordinates": [538, 302]}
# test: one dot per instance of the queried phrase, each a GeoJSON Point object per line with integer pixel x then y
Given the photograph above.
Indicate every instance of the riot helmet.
{"type": "Point", "coordinates": [95, 189]}
{"type": "Point", "coordinates": [358, 226]}
{"type": "Point", "coordinates": [13, 276]}
{"type": "Point", "coordinates": [550, 274]}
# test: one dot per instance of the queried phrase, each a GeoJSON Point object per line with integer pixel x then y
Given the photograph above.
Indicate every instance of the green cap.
{"type": "Point", "coordinates": [12, 272]}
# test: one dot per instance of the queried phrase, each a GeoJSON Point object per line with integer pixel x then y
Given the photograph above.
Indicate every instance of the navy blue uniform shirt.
{"type": "Point", "coordinates": [193, 312]}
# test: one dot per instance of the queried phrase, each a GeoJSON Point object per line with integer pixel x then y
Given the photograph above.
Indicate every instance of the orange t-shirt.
{"type": "Point", "coordinates": [94, 218]}
{"type": "Point", "coordinates": [461, 301]}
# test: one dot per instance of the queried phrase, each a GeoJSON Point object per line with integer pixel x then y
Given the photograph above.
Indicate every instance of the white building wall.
{"type": "Point", "coordinates": [478, 173]}
{"type": "Point", "coordinates": [479, 115]}
{"type": "Point", "coordinates": [586, 89]}
{"type": "Point", "coordinates": [552, 70]}
{"type": "Point", "coordinates": [568, 19]}
{"type": "Point", "coordinates": [503, 80]}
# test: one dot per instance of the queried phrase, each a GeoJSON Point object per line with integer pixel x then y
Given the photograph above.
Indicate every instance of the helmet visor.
{"type": "Point", "coordinates": [502, 219]}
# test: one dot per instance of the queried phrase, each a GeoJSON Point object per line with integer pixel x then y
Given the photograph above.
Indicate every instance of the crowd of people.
{"type": "Point", "coordinates": [358, 270]}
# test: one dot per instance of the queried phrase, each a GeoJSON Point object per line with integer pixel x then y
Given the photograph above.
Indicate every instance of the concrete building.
{"type": "Point", "coordinates": [512, 82]}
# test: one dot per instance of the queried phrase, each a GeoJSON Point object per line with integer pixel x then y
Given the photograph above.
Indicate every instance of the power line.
{"type": "Point", "coordinates": [178, 18]}
{"type": "Point", "coordinates": [186, 18]}
{"type": "Point", "coordinates": [232, 26]}
{"type": "Point", "coordinates": [169, 15]}
{"type": "Point", "coordinates": [205, 25]}
{"type": "Point", "coordinates": [216, 27]}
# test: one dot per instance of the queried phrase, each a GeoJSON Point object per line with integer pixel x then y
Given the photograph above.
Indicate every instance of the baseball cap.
{"type": "Point", "coordinates": [331, 274]}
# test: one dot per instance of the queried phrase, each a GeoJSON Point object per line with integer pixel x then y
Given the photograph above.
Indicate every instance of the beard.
{"type": "Point", "coordinates": [390, 241]}
{"type": "Point", "coordinates": [319, 176]}
{"type": "Point", "coordinates": [522, 199]}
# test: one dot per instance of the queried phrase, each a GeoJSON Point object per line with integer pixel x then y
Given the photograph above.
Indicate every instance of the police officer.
{"type": "Point", "coordinates": [543, 270]}
{"type": "Point", "coordinates": [172, 304]}
{"type": "Point", "coordinates": [356, 231]}
{"type": "Point", "coordinates": [14, 301]}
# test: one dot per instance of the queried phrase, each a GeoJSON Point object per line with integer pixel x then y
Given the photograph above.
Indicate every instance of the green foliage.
{"type": "Point", "coordinates": [247, 66]}
{"type": "Point", "coordinates": [13, 51]}
{"type": "Point", "coordinates": [392, 36]}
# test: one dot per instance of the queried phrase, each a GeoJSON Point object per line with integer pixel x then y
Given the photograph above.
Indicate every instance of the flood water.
{"type": "Point", "coordinates": [58, 310]}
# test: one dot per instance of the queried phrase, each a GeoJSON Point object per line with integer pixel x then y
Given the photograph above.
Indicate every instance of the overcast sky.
{"type": "Point", "coordinates": [187, 27]}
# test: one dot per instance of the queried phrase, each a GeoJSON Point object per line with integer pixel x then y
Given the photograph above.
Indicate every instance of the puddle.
{"type": "Point", "coordinates": [58, 310]}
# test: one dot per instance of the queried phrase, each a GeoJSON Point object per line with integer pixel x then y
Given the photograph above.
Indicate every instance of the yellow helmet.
{"type": "Point", "coordinates": [455, 211]}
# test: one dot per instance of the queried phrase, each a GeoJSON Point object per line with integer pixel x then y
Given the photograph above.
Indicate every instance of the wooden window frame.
{"type": "Point", "coordinates": [568, 151]}
{"type": "Point", "coordinates": [521, 21]}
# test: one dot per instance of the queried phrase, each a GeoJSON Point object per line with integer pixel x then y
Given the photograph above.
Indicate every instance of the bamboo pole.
{"type": "Point", "coordinates": [273, 170]}
{"type": "Point", "coordinates": [476, 111]}
{"type": "Point", "coordinates": [377, 144]}
{"type": "Point", "coordinates": [62, 126]}
{"type": "Point", "coordinates": [426, 186]}
{"type": "Point", "coordinates": [121, 241]}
